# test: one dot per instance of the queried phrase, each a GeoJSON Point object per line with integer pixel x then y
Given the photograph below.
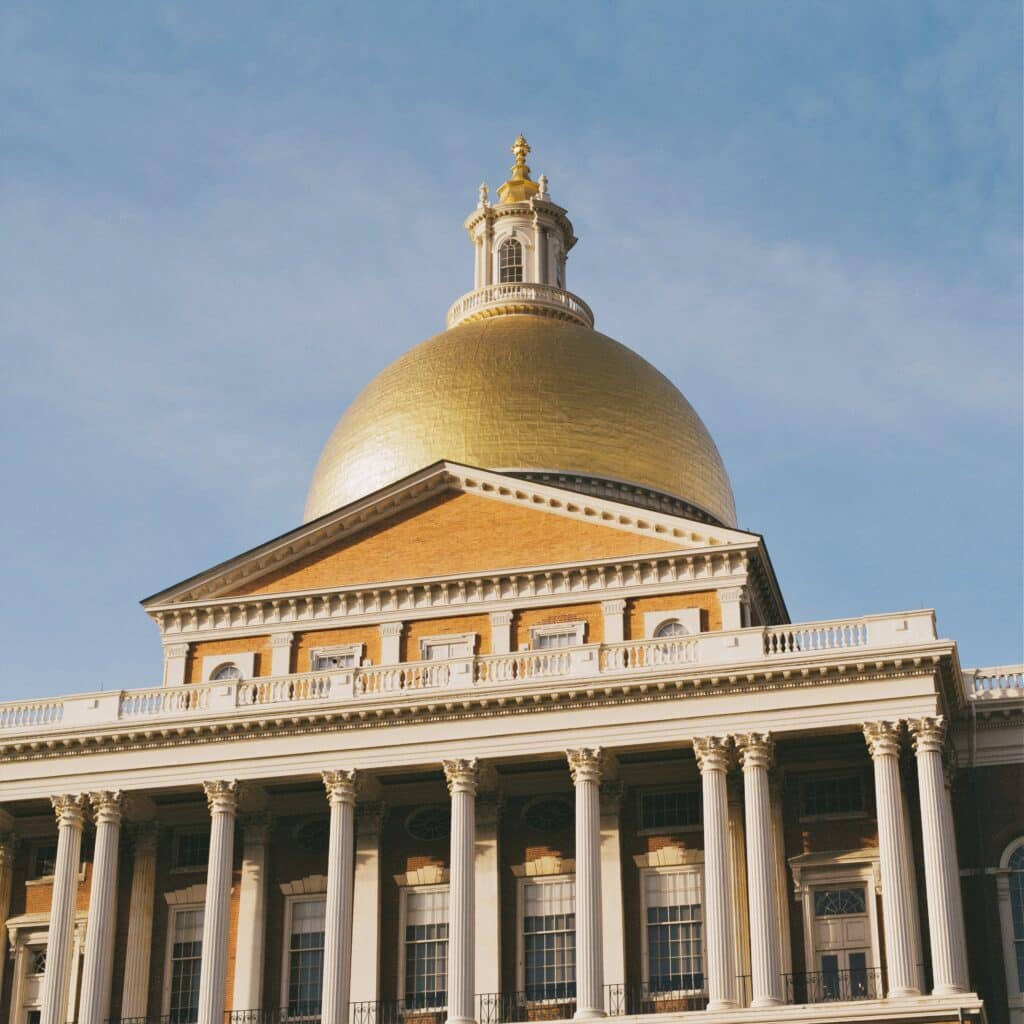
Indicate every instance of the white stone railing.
{"type": "Point", "coordinates": [547, 297]}
{"type": "Point", "coordinates": [1000, 682]}
{"type": "Point", "coordinates": [725, 648]}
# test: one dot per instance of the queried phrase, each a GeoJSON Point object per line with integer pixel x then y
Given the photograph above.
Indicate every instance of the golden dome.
{"type": "Point", "coordinates": [523, 393]}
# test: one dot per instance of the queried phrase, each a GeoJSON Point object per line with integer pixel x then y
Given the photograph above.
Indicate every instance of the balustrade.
{"type": "Point", "coordinates": [572, 306]}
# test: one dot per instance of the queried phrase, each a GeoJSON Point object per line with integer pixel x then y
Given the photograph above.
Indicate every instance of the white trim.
{"type": "Point", "coordinates": [696, 868]}
{"type": "Point", "coordinates": [1014, 993]}
{"type": "Point", "coordinates": [172, 916]}
{"type": "Point", "coordinates": [403, 914]}
{"type": "Point", "coordinates": [688, 618]}
{"type": "Point", "coordinates": [245, 662]}
{"type": "Point", "coordinates": [521, 883]}
{"type": "Point", "coordinates": [311, 885]}
{"type": "Point", "coordinates": [286, 938]}
{"type": "Point", "coordinates": [577, 628]}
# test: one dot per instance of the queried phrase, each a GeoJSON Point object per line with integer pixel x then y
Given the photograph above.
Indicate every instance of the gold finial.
{"type": "Point", "coordinates": [519, 187]}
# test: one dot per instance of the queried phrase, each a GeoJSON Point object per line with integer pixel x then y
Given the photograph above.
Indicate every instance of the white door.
{"type": "Point", "coordinates": [842, 943]}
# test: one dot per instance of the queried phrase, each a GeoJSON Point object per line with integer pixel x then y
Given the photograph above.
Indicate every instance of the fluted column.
{"type": "Point", "coordinates": [341, 795]}
{"type": "Point", "coordinates": [139, 945]}
{"type": "Point", "coordinates": [98, 965]}
{"type": "Point", "coordinates": [366, 903]}
{"type": "Point", "coordinates": [898, 894]}
{"type": "Point", "coordinates": [8, 846]}
{"type": "Point", "coordinates": [585, 765]}
{"type": "Point", "coordinates": [222, 798]}
{"type": "Point", "coordinates": [941, 870]}
{"type": "Point", "coordinates": [463, 778]}
{"type": "Point", "coordinates": [247, 991]}
{"type": "Point", "coordinates": [713, 758]}
{"type": "Point", "coordinates": [756, 750]}
{"type": "Point", "coordinates": [70, 811]}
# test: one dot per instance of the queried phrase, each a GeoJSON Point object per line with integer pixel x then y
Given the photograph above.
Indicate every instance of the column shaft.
{"type": "Point", "coordinates": [135, 995]}
{"type": "Point", "coordinates": [765, 960]}
{"type": "Point", "coordinates": [341, 794]}
{"type": "Point", "coordinates": [98, 965]}
{"type": "Point", "coordinates": [222, 798]}
{"type": "Point", "coordinates": [365, 986]}
{"type": "Point", "coordinates": [8, 845]}
{"type": "Point", "coordinates": [941, 870]}
{"type": "Point", "coordinates": [247, 991]}
{"type": "Point", "coordinates": [898, 894]}
{"type": "Point", "coordinates": [462, 776]}
{"type": "Point", "coordinates": [70, 811]}
{"type": "Point", "coordinates": [713, 757]}
{"type": "Point", "coordinates": [585, 764]}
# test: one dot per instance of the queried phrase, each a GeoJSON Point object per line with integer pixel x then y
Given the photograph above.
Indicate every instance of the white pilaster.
{"type": "Point", "coordinates": [487, 931]}
{"type": "Point", "coordinates": [247, 991]}
{"type": "Point", "coordinates": [941, 870]}
{"type": "Point", "coordinates": [222, 799]}
{"type": "Point", "coordinates": [899, 897]}
{"type": "Point", "coordinates": [70, 811]}
{"type": "Point", "coordinates": [501, 634]}
{"type": "Point", "coordinates": [390, 643]}
{"type": "Point", "coordinates": [281, 653]}
{"type": "Point", "coordinates": [341, 795]}
{"type": "Point", "coordinates": [585, 765]}
{"type": "Point", "coordinates": [612, 915]}
{"type": "Point", "coordinates": [756, 752]}
{"type": "Point", "coordinates": [713, 758]}
{"type": "Point", "coordinates": [614, 621]}
{"type": "Point", "coordinates": [98, 966]}
{"type": "Point", "coordinates": [731, 601]}
{"type": "Point", "coordinates": [135, 994]}
{"type": "Point", "coordinates": [175, 663]}
{"type": "Point", "coordinates": [8, 846]}
{"type": "Point", "coordinates": [365, 980]}
{"type": "Point", "coordinates": [462, 776]}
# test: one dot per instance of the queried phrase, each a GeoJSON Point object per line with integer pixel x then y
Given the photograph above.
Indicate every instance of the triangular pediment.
{"type": "Point", "coordinates": [450, 520]}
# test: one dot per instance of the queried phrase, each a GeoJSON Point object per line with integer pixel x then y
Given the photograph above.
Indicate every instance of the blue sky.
{"type": "Point", "coordinates": [220, 220]}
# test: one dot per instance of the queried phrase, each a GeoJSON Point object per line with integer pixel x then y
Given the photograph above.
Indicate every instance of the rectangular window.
{"type": "Point", "coordinates": [192, 849]}
{"type": "Point", "coordinates": [549, 939]}
{"type": "Point", "coordinates": [675, 955]}
{"type": "Point", "coordinates": [186, 963]}
{"type": "Point", "coordinates": [306, 958]}
{"type": "Point", "coordinates": [443, 650]}
{"type": "Point", "coordinates": [325, 659]}
{"type": "Point", "coordinates": [662, 810]}
{"type": "Point", "coordinates": [44, 860]}
{"type": "Point", "coordinates": [840, 794]}
{"type": "Point", "coordinates": [426, 949]}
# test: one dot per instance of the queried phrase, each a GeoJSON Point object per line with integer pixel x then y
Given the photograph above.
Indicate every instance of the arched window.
{"type": "Point", "coordinates": [229, 670]}
{"type": "Point", "coordinates": [510, 261]}
{"type": "Point", "coordinates": [1010, 887]}
{"type": "Point", "coordinates": [669, 629]}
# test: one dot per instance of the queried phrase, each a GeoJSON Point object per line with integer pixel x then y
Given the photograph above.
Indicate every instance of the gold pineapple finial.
{"type": "Point", "coordinates": [519, 187]}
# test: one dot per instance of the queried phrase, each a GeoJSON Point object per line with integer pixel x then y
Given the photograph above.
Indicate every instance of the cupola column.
{"type": "Point", "coordinates": [585, 765]}
{"type": "Point", "coordinates": [70, 811]}
{"type": "Point", "coordinates": [341, 795]}
{"type": "Point", "coordinates": [714, 758]}
{"type": "Point", "coordinates": [941, 870]}
{"type": "Point", "coordinates": [463, 777]}
{"type": "Point", "coordinates": [899, 896]}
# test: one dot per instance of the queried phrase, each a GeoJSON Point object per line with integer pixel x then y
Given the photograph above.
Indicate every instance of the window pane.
{"type": "Point", "coordinates": [674, 931]}
{"type": "Point", "coordinates": [839, 795]}
{"type": "Point", "coordinates": [426, 949]}
{"type": "Point", "coordinates": [192, 850]}
{"type": "Point", "coordinates": [835, 902]}
{"type": "Point", "coordinates": [306, 958]}
{"type": "Point", "coordinates": [549, 940]}
{"type": "Point", "coordinates": [672, 809]}
{"type": "Point", "coordinates": [186, 963]}
{"type": "Point", "coordinates": [510, 261]}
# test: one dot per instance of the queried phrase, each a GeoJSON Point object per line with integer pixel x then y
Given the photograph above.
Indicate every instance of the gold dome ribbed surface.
{"type": "Point", "coordinates": [516, 393]}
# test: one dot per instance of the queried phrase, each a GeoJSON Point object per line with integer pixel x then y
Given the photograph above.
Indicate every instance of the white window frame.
{"type": "Point", "coordinates": [1014, 994]}
{"type": "Point", "coordinates": [521, 884]}
{"type": "Point", "coordinates": [354, 651]}
{"type": "Point", "coordinates": [578, 629]}
{"type": "Point", "coordinates": [838, 773]}
{"type": "Point", "coordinates": [427, 642]}
{"type": "Point", "coordinates": [176, 836]}
{"type": "Point", "coordinates": [666, 829]}
{"type": "Point", "coordinates": [687, 869]}
{"type": "Point", "coordinates": [403, 916]}
{"type": "Point", "coordinates": [172, 914]}
{"type": "Point", "coordinates": [286, 961]}
{"type": "Point", "coordinates": [688, 618]}
{"type": "Point", "coordinates": [245, 662]}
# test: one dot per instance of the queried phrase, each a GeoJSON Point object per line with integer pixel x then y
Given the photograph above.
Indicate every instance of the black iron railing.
{"type": "Point", "coordinates": [833, 986]}
{"type": "Point", "coordinates": [423, 1009]}
{"type": "Point", "coordinates": [556, 1001]}
{"type": "Point", "coordinates": [672, 995]}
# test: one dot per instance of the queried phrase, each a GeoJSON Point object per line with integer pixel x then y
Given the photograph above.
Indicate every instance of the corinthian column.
{"type": "Point", "coordinates": [135, 995]}
{"type": "Point", "coordinates": [250, 939]}
{"type": "Point", "coordinates": [585, 765]}
{"type": "Point", "coordinates": [941, 870]}
{"type": "Point", "coordinates": [70, 811]}
{"type": "Point", "coordinates": [222, 798]}
{"type": "Point", "coordinates": [713, 758]}
{"type": "Point", "coordinates": [463, 777]}
{"type": "Point", "coordinates": [341, 795]}
{"type": "Point", "coordinates": [898, 895]}
{"type": "Point", "coordinates": [98, 965]}
{"type": "Point", "coordinates": [756, 751]}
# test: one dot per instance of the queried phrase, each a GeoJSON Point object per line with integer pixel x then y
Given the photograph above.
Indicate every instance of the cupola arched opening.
{"type": "Point", "coordinates": [510, 261]}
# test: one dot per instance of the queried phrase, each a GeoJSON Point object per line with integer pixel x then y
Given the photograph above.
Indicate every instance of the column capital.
{"type": "Point", "coordinates": [8, 848]}
{"type": "Point", "coordinates": [731, 594]}
{"type": "Point", "coordinates": [611, 793]}
{"type": "Point", "coordinates": [221, 796]}
{"type": "Point", "coordinates": [177, 650]}
{"type": "Point", "coordinates": [256, 826]}
{"type": "Point", "coordinates": [391, 628]}
{"type": "Point", "coordinates": [929, 734]}
{"type": "Point", "coordinates": [586, 764]}
{"type": "Point", "coordinates": [501, 618]}
{"type": "Point", "coordinates": [340, 784]}
{"type": "Point", "coordinates": [713, 753]}
{"type": "Point", "coordinates": [615, 606]}
{"type": "Point", "coordinates": [69, 809]}
{"type": "Point", "coordinates": [883, 738]}
{"type": "Point", "coordinates": [107, 806]}
{"type": "Point", "coordinates": [462, 775]}
{"type": "Point", "coordinates": [144, 835]}
{"type": "Point", "coordinates": [489, 805]}
{"type": "Point", "coordinates": [281, 639]}
{"type": "Point", "coordinates": [370, 815]}
{"type": "Point", "coordinates": [756, 749]}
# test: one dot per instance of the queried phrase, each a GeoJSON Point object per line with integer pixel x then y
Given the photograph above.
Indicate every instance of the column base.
{"type": "Point", "coordinates": [761, 1001]}
{"type": "Point", "coordinates": [903, 993]}
{"type": "Point", "coordinates": [461, 1020]}
{"type": "Point", "coordinates": [584, 1014]}
{"type": "Point", "coordinates": [722, 1004]}
{"type": "Point", "coordinates": [949, 990]}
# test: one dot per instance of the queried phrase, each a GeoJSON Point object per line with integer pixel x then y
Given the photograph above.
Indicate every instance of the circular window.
{"type": "Point", "coordinates": [314, 836]}
{"type": "Point", "coordinates": [430, 823]}
{"type": "Point", "coordinates": [671, 628]}
{"type": "Point", "coordinates": [548, 815]}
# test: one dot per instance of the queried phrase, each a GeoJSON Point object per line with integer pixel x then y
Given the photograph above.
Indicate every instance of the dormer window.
{"type": "Point", "coordinates": [510, 261]}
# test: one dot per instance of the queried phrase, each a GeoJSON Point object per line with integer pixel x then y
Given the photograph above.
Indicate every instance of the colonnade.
{"type": "Point", "coordinates": [715, 756]}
